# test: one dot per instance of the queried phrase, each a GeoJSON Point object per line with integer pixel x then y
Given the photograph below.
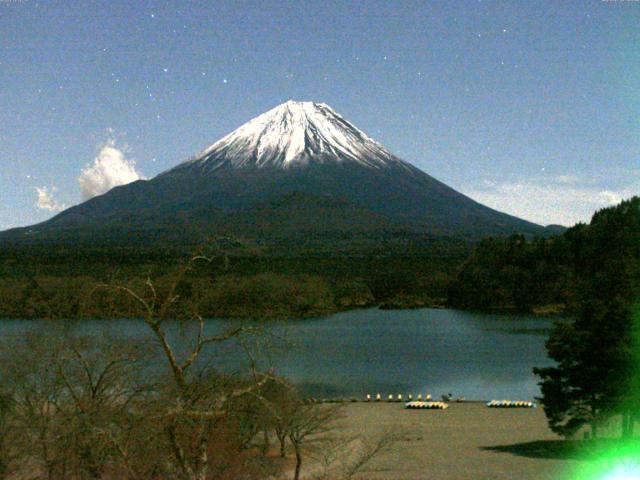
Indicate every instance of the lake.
{"type": "Point", "coordinates": [477, 356]}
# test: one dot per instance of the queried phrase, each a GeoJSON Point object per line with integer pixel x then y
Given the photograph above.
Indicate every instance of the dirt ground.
{"type": "Point", "coordinates": [466, 441]}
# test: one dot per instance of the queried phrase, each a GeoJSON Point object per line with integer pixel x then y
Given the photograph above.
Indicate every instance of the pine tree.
{"type": "Point", "coordinates": [596, 372]}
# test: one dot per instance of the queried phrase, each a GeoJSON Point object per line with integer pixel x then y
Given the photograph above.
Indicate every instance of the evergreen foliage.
{"type": "Point", "coordinates": [596, 375]}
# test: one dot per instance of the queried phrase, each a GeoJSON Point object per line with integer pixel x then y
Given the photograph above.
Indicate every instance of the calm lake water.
{"type": "Point", "coordinates": [477, 356]}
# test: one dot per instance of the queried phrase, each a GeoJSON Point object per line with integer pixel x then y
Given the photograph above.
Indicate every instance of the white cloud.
{"type": "Point", "coordinates": [559, 200]}
{"type": "Point", "coordinates": [612, 197]}
{"type": "Point", "coordinates": [46, 200]}
{"type": "Point", "coordinates": [110, 169]}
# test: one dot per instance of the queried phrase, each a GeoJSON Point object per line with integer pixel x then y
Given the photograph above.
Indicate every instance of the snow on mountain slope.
{"type": "Point", "coordinates": [295, 134]}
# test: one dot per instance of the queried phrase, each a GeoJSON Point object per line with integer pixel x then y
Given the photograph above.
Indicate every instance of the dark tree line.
{"type": "Point", "coordinates": [597, 351]}
{"type": "Point", "coordinates": [251, 284]}
{"type": "Point", "coordinates": [513, 273]}
{"type": "Point", "coordinates": [592, 274]}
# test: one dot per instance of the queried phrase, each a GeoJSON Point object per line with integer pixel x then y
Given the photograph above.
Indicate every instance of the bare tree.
{"type": "Point", "coordinates": [307, 423]}
{"type": "Point", "coordinates": [71, 401]}
{"type": "Point", "coordinates": [32, 383]}
{"type": "Point", "coordinates": [196, 404]}
{"type": "Point", "coordinates": [95, 408]}
{"type": "Point", "coordinates": [281, 404]}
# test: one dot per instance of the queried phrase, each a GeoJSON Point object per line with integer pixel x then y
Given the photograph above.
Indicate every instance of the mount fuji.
{"type": "Point", "coordinates": [297, 173]}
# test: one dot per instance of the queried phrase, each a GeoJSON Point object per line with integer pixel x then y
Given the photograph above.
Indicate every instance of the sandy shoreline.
{"type": "Point", "coordinates": [466, 441]}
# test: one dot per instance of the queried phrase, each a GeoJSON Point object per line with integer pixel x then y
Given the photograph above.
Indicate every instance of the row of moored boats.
{"type": "Point", "coordinates": [426, 402]}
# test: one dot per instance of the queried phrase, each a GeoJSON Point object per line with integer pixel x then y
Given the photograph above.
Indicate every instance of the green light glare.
{"type": "Point", "coordinates": [612, 460]}
{"type": "Point", "coordinates": [615, 458]}
{"type": "Point", "coordinates": [624, 471]}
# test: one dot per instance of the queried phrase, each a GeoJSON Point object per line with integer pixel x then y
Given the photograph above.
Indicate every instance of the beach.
{"type": "Point", "coordinates": [465, 441]}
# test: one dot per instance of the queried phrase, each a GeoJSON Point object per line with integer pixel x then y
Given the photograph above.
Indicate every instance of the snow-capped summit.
{"type": "Point", "coordinates": [295, 134]}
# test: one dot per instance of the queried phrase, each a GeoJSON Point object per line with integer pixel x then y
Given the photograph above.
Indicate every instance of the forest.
{"type": "Point", "coordinates": [596, 376]}
{"type": "Point", "coordinates": [498, 274]}
{"type": "Point", "coordinates": [547, 275]}
{"type": "Point", "coordinates": [57, 284]}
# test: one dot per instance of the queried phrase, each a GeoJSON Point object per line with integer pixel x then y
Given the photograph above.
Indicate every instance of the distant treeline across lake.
{"type": "Point", "coordinates": [502, 274]}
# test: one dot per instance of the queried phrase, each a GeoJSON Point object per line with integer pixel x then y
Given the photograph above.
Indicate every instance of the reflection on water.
{"type": "Point", "coordinates": [388, 351]}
